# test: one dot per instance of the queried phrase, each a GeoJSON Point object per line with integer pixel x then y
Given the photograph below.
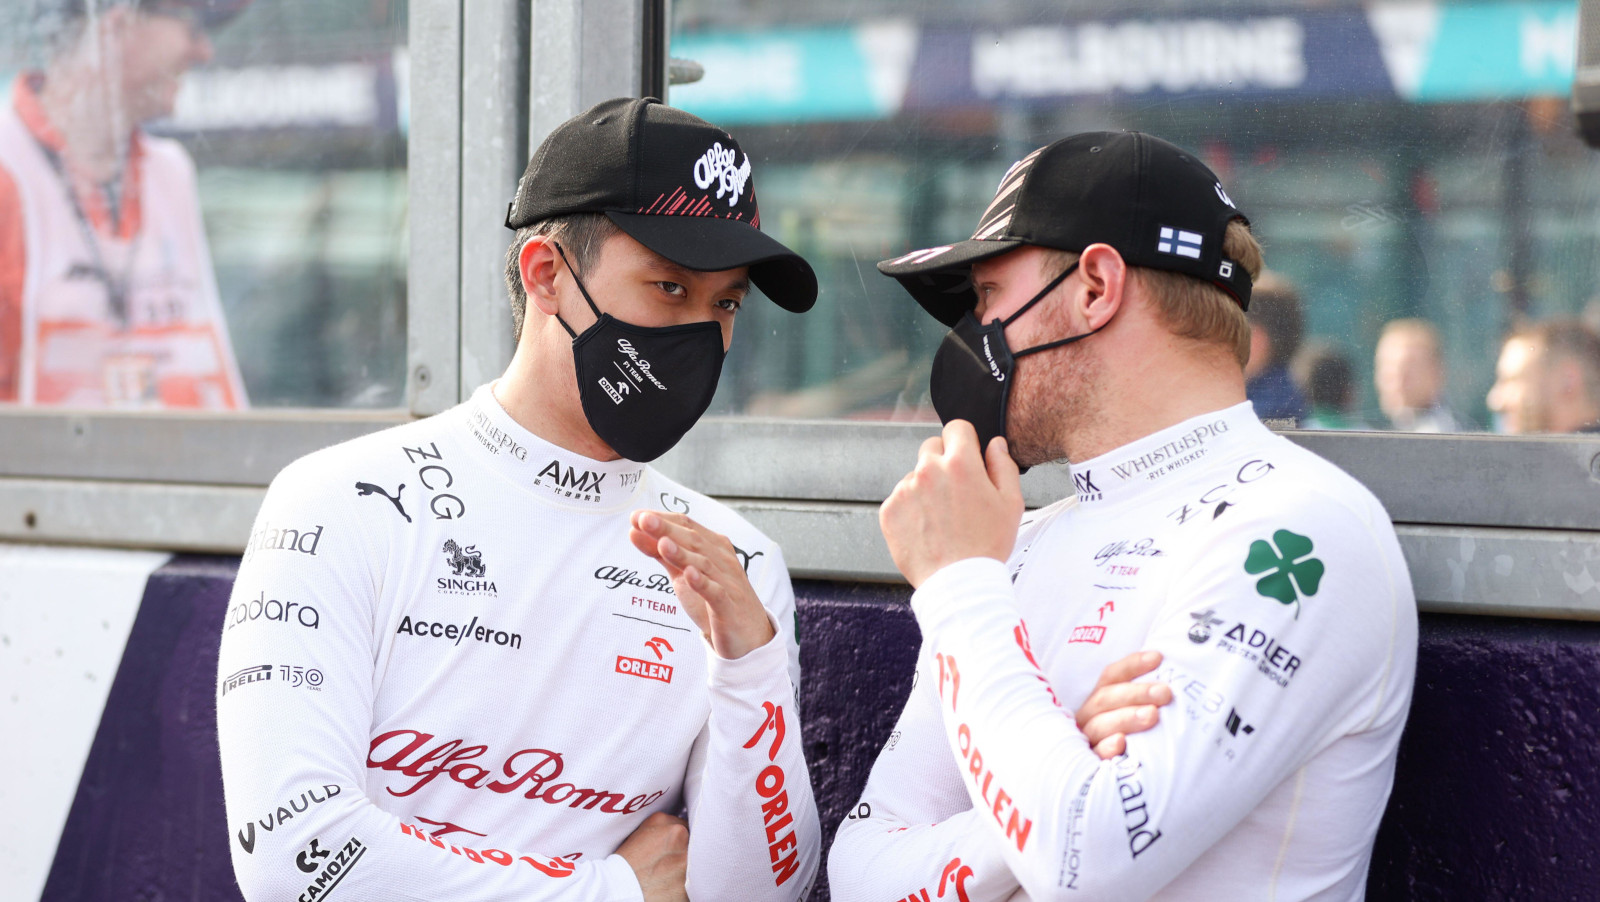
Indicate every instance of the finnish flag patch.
{"type": "Point", "coordinates": [1179, 242]}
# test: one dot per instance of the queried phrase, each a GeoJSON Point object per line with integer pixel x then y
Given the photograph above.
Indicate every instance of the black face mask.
{"type": "Point", "coordinates": [973, 367]}
{"type": "Point", "coordinates": [643, 388]}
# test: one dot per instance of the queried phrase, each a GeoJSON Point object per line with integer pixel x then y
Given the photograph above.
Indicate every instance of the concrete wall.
{"type": "Point", "coordinates": [1497, 796]}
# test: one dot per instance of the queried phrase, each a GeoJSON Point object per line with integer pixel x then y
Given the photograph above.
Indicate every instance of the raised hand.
{"type": "Point", "coordinates": [709, 579]}
{"type": "Point", "coordinates": [956, 504]}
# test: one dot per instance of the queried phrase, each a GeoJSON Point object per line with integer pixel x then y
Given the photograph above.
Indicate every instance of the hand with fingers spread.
{"type": "Point", "coordinates": [1119, 706]}
{"type": "Point", "coordinates": [658, 852]}
{"type": "Point", "coordinates": [709, 579]}
{"type": "Point", "coordinates": [957, 503]}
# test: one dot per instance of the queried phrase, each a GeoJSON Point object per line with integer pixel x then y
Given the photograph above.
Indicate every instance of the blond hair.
{"type": "Point", "coordinates": [1414, 326]}
{"type": "Point", "coordinates": [1191, 307]}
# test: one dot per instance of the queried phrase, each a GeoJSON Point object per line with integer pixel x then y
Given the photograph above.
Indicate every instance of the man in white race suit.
{"type": "Point", "coordinates": [1098, 316]}
{"type": "Point", "coordinates": [487, 655]}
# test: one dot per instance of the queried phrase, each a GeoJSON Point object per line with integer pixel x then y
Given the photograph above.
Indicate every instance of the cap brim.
{"type": "Point", "coordinates": [940, 278]}
{"type": "Point", "coordinates": [709, 244]}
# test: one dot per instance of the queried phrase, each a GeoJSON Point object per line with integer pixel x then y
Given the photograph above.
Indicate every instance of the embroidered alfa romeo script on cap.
{"type": "Point", "coordinates": [720, 168]}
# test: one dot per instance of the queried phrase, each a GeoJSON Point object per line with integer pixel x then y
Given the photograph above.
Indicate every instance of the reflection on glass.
{"type": "Point", "coordinates": [1275, 334]}
{"type": "Point", "coordinates": [1547, 379]}
{"type": "Point", "coordinates": [1403, 162]}
{"type": "Point", "coordinates": [1408, 371]}
{"type": "Point", "coordinates": [201, 204]}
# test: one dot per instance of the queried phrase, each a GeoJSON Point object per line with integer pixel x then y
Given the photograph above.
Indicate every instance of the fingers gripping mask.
{"type": "Point", "coordinates": [643, 388]}
{"type": "Point", "coordinates": [973, 369]}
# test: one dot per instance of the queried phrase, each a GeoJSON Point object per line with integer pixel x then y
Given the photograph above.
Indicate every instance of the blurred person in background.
{"type": "Point", "coordinates": [1327, 379]}
{"type": "Point", "coordinates": [1548, 380]}
{"type": "Point", "coordinates": [1275, 330]}
{"type": "Point", "coordinates": [1408, 371]}
{"type": "Point", "coordinates": [107, 294]}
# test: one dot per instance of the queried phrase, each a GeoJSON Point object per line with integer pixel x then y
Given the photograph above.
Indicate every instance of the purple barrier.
{"type": "Point", "coordinates": [147, 822]}
{"type": "Point", "coordinates": [1497, 793]}
{"type": "Point", "coordinates": [1495, 797]}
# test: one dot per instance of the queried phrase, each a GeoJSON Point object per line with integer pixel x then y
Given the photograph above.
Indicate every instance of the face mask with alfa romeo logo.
{"type": "Point", "coordinates": [643, 388]}
{"type": "Point", "coordinates": [973, 367]}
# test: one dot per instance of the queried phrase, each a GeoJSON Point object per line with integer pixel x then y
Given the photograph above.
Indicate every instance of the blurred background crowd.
{"type": "Point", "coordinates": [1431, 220]}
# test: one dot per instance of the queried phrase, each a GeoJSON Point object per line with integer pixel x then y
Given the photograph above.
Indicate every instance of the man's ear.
{"type": "Point", "coordinates": [539, 264]}
{"type": "Point", "coordinates": [1104, 275]}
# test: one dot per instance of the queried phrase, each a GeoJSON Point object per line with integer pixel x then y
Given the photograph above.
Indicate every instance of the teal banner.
{"type": "Point", "coordinates": [1492, 51]}
{"type": "Point", "coordinates": [797, 75]}
{"type": "Point", "coordinates": [1413, 50]}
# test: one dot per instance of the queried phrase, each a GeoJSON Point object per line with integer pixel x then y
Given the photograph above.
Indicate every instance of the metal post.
{"type": "Point", "coordinates": [586, 51]}
{"type": "Point", "coordinates": [433, 272]}
{"type": "Point", "coordinates": [494, 88]}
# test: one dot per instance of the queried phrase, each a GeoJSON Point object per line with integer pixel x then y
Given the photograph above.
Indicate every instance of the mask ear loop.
{"type": "Point", "coordinates": [1040, 296]}
{"type": "Point", "coordinates": [1036, 299]}
{"type": "Point", "coordinates": [572, 269]}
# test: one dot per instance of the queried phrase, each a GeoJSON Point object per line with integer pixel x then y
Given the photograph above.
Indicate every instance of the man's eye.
{"type": "Point", "coordinates": [731, 305]}
{"type": "Point", "coordinates": [674, 289]}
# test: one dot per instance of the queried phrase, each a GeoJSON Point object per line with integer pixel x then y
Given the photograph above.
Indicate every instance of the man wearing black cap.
{"type": "Point", "coordinates": [1098, 316]}
{"type": "Point", "coordinates": [489, 654]}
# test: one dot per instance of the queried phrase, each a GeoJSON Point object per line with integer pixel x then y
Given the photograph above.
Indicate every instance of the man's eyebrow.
{"type": "Point", "coordinates": [666, 268]}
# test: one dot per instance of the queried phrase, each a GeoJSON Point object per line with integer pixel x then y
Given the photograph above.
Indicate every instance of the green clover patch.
{"type": "Point", "coordinates": [1289, 568]}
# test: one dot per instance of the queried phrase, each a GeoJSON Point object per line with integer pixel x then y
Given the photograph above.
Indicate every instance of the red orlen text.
{"type": "Point", "coordinates": [781, 844]}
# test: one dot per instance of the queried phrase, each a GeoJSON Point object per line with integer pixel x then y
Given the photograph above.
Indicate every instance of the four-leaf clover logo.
{"type": "Point", "coordinates": [1289, 569]}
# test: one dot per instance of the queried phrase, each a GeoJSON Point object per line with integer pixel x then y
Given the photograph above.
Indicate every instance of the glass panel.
{"type": "Point", "coordinates": [202, 203]}
{"type": "Point", "coordinates": [1406, 161]}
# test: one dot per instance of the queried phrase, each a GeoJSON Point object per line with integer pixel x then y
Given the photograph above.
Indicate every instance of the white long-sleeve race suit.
{"type": "Point", "coordinates": [1272, 584]}
{"type": "Point", "coordinates": [446, 674]}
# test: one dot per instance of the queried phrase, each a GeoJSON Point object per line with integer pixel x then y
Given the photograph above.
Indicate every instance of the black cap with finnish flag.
{"type": "Point", "coordinates": [673, 182]}
{"type": "Point", "coordinates": [1157, 204]}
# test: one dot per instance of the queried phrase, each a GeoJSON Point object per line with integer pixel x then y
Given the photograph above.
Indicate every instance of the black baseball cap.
{"type": "Point", "coordinates": [672, 181]}
{"type": "Point", "coordinates": [1153, 201]}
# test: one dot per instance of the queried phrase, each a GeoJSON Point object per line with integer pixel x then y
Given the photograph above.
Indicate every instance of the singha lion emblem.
{"type": "Point", "coordinates": [465, 562]}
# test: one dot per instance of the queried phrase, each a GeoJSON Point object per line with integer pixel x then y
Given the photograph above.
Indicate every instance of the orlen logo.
{"type": "Point", "coordinates": [1091, 634]}
{"type": "Point", "coordinates": [775, 810]}
{"type": "Point", "coordinates": [650, 670]}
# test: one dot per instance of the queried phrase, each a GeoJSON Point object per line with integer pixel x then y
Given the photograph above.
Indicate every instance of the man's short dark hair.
{"type": "Point", "coordinates": [1275, 307]}
{"type": "Point", "coordinates": [1326, 377]}
{"type": "Point", "coordinates": [581, 236]}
